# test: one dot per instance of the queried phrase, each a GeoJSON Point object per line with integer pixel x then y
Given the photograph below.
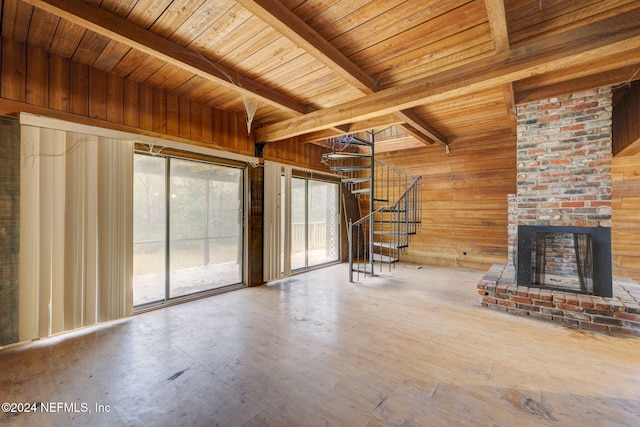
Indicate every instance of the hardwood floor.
{"type": "Point", "coordinates": [410, 348]}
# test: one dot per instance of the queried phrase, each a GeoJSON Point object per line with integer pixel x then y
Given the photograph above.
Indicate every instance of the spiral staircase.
{"type": "Point", "coordinates": [389, 201]}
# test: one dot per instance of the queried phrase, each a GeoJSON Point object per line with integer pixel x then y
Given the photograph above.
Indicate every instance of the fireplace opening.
{"type": "Point", "coordinates": [562, 261]}
{"type": "Point", "coordinates": [575, 259]}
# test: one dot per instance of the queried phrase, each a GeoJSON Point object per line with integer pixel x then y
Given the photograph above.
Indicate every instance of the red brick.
{"type": "Point", "coordinates": [559, 297]}
{"type": "Point", "coordinates": [578, 316]}
{"type": "Point", "coordinates": [573, 127]}
{"type": "Point", "coordinates": [521, 300]}
{"type": "Point", "coordinates": [482, 292]}
{"type": "Point", "coordinates": [585, 106]}
{"type": "Point", "coordinates": [548, 119]}
{"type": "Point", "coordinates": [534, 293]}
{"type": "Point", "coordinates": [572, 204]}
{"type": "Point", "coordinates": [571, 299]}
{"type": "Point", "coordinates": [627, 316]}
{"type": "Point", "coordinates": [505, 303]}
{"type": "Point", "coordinates": [489, 300]}
{"type": "Point", "coordinates": [549, 106]}
{"type": "Point", "coordinates": [570, 307]}
{"type": "Point", "coordinates": [522, 291]}
{"type": "Point", "coordinates": [543, 303]}
{"type": "Point", "coordinates": [600, 303]}
{"type": "Point", "coordinates": [502, 288]}
{"type": "Point", "coordinates": [546, 295]}
{"type": "Point", "coordinates": [585, 301]}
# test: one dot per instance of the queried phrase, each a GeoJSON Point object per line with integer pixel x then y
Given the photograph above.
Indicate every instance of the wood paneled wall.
{"type": "Point", "coordinates": [34, 81]}
{"type": "Point", "coordinates": [625, 232]}
{"type": "Point", "coordinates": [464, 218]}
{"type": "Point", "coordinates": [626, 119]}
{"type": "Point", "coordinates": [46, 84]}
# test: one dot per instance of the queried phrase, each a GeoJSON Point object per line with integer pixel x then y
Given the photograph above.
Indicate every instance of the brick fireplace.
{"type": "Point", "coordinates": [563, 205]}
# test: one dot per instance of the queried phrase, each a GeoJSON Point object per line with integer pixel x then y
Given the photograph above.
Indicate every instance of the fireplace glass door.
{"type": "Point", "coordinates": [562, 261]}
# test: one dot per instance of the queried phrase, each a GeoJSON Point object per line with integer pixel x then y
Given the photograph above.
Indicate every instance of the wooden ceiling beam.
{"type": "Point", "coordinates": [579, 46]}
{"type": "Point", "coordinates": [500, 35]}
{"type": "Point", "coordinates": [119, 29]}
{"type": "Point", "coordinates": [364, 126]}
{"type": "Point", "coordinates": [279, 17]}
{"type": "Point", "coordinates": [612, 77]}
{"type": "Point", "coordinates": [276, 15]}
{"type": "Point", "coordinates": [498, 24]}
{"type": "Point", "coordinates": [417, 125]}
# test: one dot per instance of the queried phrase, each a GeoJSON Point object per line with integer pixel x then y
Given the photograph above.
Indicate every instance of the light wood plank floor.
{"type": "Point", "coordinates": [409, 348]}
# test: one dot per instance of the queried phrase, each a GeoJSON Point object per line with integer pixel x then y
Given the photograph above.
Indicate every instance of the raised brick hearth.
{"type": "Point", "coordinates": [619, 315]}
{"type": "Point", "coordinates": [563, 182]}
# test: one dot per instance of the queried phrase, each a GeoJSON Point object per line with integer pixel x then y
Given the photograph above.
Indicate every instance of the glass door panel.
{"type": "Point", "coordinates": [298, 223]}
{"type": "Point", "coordinates": [322, 225]}
{"type": "Point", "coordinates": [205, 227]}
{"type": "Point", "coordinates": [149, 229]}
{"type": "Point", "coordinates": [199, 245]}
{"type": "Point", "coordinates": [223, 248]}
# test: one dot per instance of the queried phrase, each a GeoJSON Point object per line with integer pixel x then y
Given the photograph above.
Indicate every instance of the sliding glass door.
{"type": "Point", "coordinates": [314, 222]}
{"type": "Point", "coordinates": [187, 226]}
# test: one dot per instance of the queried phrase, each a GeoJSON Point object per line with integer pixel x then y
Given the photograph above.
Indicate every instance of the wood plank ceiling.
{"type": "Point", "coordinates": [438, 70]}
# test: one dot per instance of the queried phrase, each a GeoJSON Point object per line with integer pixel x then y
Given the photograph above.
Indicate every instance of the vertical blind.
{"type": "Point", "coordinates": [272, 224]}
{"type": "Point", "coordinates": [76, 229]}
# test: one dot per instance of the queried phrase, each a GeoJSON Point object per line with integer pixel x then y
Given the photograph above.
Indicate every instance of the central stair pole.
{"type": "Point", "coordinates": [372, 197]}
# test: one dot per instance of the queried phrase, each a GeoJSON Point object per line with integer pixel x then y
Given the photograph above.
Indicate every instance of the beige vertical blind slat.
{"type": "Point", "coordinates": [76, 230]}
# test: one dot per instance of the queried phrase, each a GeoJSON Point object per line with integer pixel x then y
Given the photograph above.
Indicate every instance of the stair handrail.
{"type": "Point", "coordinates": [369, 217]}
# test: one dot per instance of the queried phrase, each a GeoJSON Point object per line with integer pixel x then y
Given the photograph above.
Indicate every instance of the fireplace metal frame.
{"type": "Point", "coordinates": [601, 245]}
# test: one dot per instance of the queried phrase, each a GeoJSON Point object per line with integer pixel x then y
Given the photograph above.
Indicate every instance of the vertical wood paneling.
{"type": "Point", "coordinates": [173, 114]}
{"type": "Point", "coordinates": [14, 71]}
{"type": "Point", "coordinates": [207, 123]}
{"type": "Point", "coordinates": [196, 121]}
{"type": "Point", "coordinates": [15, 20]}
{"type": "Point", "coordinates": [160, 111]}
{"type": "Point", "coordinates": [185, 118]}
{"type": "Point", "coordinates": [464, 212]}
{"type": "Point", "coordinates": [146, 107]}
{"type": "Point", "coordinates": [131, 103]}
{"type": "Point", "coordinates": [91, 93]}
{"type": "Point", "coordinates": [625, 231]}
{"type": "Point", "coordinates": [97, 94]}
{"type": "Point", "coordinates": [59, 78]}
{"type": "Point", "coordinates": [79, 97]}
{"type": "Point", "coordinates": [115, 98]}
{"type": "Point", "coordinates": [626, 122]}
{"type": "Point", "coordinates": [37, 77]}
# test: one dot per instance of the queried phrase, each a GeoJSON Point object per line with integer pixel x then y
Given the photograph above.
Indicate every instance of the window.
{"type": "Point", "coordinates": [188, 227]}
